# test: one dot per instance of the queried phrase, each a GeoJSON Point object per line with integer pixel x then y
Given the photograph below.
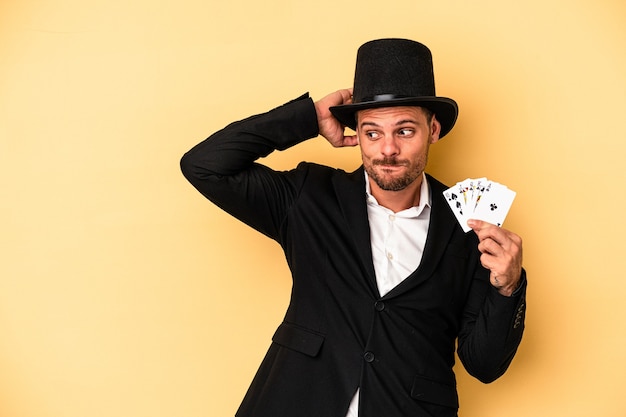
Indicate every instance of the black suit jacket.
{"type": "Point", "coordinates": [338, 333]}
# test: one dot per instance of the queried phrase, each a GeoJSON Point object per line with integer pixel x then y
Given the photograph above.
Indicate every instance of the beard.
{"type": "Point", "coordinates": [385, 182]}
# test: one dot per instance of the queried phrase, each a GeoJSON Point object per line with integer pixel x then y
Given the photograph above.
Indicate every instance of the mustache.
{"type": "Point", "coordinates": [390, 162]}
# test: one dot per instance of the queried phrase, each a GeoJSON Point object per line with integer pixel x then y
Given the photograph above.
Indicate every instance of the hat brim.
{"type": "Point", "coordinates": [445, 109]}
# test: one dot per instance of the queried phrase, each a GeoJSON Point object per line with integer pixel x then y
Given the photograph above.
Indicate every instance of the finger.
{"type": "Point", "coordinates": [499, 235]}
{"type": "Point", "coordinates": [491, 247]}
{"type": "Point", "coordinates": [493, 277]}
{"type": "Point", "coordinates": [346, 96]}
{"type": "Point", "coordinates": [349, 100]}
{"type": "Point", "coordinates": [501, 262]}
{"type": "Point", "coordinates": [351, 140]}
{"type": "Point", "coordinates": [495, 259]}
{"type": "Point", "coordinates": [336, 98]}
{"type": "Point", "coordinates": [478, 225]}
{"type": "Point", "coordinates": [483, 228]}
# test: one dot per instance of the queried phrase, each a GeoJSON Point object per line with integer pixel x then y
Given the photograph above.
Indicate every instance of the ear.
{"type": "Point", "coordinates": [435, 130]}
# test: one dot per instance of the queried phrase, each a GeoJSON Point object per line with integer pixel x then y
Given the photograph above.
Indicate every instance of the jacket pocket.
{"type": "Point", "coordinates": [299, 339]}
{"type": "Point", "coordinates": [434, 392]}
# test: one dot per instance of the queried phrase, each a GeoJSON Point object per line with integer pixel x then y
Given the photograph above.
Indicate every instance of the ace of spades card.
{"type": "Point", "coordinates": [480, 199]}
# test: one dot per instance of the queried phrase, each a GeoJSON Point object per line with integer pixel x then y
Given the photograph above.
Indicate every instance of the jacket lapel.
{"type": "Point", "coordinates": [350, 191]}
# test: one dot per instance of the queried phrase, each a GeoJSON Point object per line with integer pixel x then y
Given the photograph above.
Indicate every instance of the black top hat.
{"type": "Point", "coordinates": [395, 72]}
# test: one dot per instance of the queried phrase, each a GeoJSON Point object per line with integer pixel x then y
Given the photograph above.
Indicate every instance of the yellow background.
{"type": "Point", "coordinates": [124, 293]}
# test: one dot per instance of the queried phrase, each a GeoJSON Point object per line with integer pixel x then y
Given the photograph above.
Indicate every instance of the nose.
{"type": "Point", "coordinates": [389, 146]}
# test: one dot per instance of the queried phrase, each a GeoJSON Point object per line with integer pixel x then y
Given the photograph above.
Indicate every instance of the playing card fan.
{"type": "Point", "coordinates": [480, 199]}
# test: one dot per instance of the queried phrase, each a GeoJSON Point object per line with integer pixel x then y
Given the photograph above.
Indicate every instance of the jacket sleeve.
{"type": "Point", "coordinates": [224, 170]}
{"type": "Point", "coordinates": [491, 330]}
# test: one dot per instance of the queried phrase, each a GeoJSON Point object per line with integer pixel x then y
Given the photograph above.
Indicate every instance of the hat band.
{"type": "Point", "coordinates": [383, 97]}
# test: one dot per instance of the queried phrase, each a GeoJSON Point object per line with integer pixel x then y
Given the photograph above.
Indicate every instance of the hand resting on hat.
{"type": "Point", "coordinates": [330, 128]}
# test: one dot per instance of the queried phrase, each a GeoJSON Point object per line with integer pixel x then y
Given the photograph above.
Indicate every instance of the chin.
{"type": "Point", "coordinates": [397, 183]}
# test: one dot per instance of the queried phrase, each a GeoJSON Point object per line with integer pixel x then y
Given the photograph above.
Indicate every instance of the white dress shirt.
{"type": "Point", "coordinates": [397, 245]}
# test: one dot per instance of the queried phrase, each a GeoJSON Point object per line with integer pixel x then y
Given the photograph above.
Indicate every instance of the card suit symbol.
{"type": "Point", "coordinates": [493, 206]}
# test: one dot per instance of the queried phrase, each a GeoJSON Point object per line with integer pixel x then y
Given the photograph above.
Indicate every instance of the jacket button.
{"type": "Point", "coordinates": [369, 357]}
{"type": "Point", "coordinates": [379, 306]}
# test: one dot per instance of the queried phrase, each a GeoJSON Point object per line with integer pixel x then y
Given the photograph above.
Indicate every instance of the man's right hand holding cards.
{"type": "Point", "coordinates": [482, 205]}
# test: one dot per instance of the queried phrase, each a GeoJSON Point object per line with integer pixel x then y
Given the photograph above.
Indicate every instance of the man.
{"type": "Point", "coordinates": [384, 279]}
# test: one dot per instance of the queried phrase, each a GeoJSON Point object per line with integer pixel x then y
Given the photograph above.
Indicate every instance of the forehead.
{"type": "Point", "coordinates": [392, 114]}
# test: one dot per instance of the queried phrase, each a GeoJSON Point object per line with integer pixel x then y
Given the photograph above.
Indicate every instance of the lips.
{"type": "Point", "coordinates": [390, 163]}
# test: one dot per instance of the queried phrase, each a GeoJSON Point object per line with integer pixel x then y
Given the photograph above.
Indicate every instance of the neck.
{"type": "Point", "coordinates": [398, 200]}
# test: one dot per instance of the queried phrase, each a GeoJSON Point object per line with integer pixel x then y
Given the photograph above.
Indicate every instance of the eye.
{"type": "Point", "coordinates": [406, 132]}
{"type": "Point", "coordinates": [372, 135]}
